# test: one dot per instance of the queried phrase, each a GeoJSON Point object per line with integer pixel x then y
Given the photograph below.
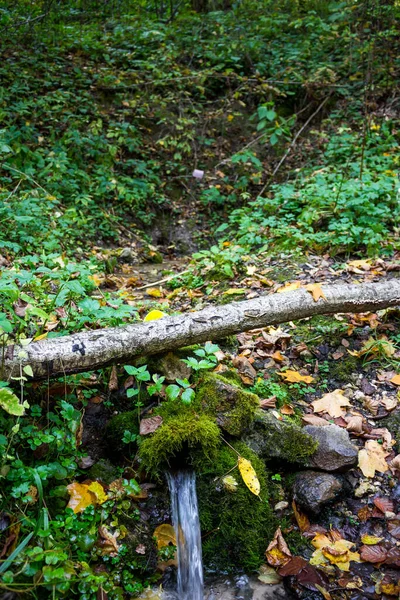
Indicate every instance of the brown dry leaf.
{"type": "Point", "coordinates": [372, 458]}
{"type": "Point", "coordinates": [384, 504]}
{"type": "Point", "coordinates": [150, 425]}
{"type": "Point", "coordinates": [314, 420]}
{"type": "Point", "coordinates": [289, 287]}
{"type": "Point", "coordinates": [338, 354]}
{"type": "Point", "coordinates": [316, 291]}
{"type": "Point", "coordinates": [113, 381]}
{"type": "Point", "coordinates": [245, 369]}
{"type": "Point", "coordinates": [354, 424]}
{"type": "Point", "coordinates": [268, 402]}
{"type": "Point", "coordinates": [287, 409]}
{"type": "Point", "coordinates": [389, 403]}
{"type": "Point", "coordinates": [359, 266]}
{"type": "Point", "coordinates": [165, 536]}
{"type": "Point", "coordinates": [278, 553]}
{"type": "Point", "coordinates": [371, 405]}
{"type": "Point", "coordinates": [278, 356]}
{"type": "Point", "coordinates": [331, 403]}
{"type": "Point", "coordinates": [395, 379]}
{"type": "Point", "coordinates": [395, 462]}
{"type": "Point", "coordinates": [373, 554]}
{"type": "Point", "coordinates": [295, 377]}
{"type": "Point", "coordinates": [108, 543]}
{"type": "Point", "coordinates": [140, 549]}
{"type": "Point", "coordinates": [302, 520]}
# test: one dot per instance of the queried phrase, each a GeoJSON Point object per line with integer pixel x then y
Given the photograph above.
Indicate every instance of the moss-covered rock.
{"type": "Point", "coordinates": [116, 427]}
{"type": "Point", "coordinates": [271, 438]}
{"type": "Point", "coordinates": [236, 526]}
{"type": "Point", "coordinates": [233, 407]}
{"type": "Point", "coordinates": [103, 471]}
{"type": "Point", "coordinates": [186, 434]}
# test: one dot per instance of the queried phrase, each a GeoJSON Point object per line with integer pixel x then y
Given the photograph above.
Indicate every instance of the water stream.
{"type": "Point", "coordinates": [185, 518]}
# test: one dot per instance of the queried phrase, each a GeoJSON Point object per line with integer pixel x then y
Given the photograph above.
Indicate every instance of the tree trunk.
{"type": "Point", "coordinates": [90, 350]}
{"type": "Point", "coordinates": [200, 5]}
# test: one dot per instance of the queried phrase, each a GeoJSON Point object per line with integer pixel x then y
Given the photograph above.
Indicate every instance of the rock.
{"type": "Point", "coordinates": [172, 367]}
{"type": "Point", "coordinates": [312, 489]}
{"type": "Point", "coordinates": [233, 407]}
{"type": "Point", "coordinates": [335, 450]}
{"type": "Point", "coordinates": [103, 471]}
{"type": "Point", "coordinates": [127, 255]}
{"type": "Point", "coordinates": [367, 388]}
{"type": "Point", "coordinates": [271, 438]}
{"type": "Point", "coordinates": [359, 395]}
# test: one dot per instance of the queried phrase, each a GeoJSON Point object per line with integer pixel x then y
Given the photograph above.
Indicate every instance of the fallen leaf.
{"type": "Point", "coordinates": [154, 315]}
{"type": "Point", "coordinates": [359, 265]}
{"type": "Point", "coordinates": [315, 420]}
{"type": "Point", "coordinates": [245, 369]}
{"type": "Point", "coordinates": [287, 409]}
{"type": "Point", "coordinates": [293, 566]}
{"type": "Point", "coordinates": [384, 504]}
{"type": "Point", "coordinates": [150, 425]}
{"type": "Point", "coordinates": [333, 550]}
{"type": "Point", "coordinates": [373, 554]}
{"type": "Point", "coordinates": [268, 402]}
{"type": "Point", "coordinates": [355, 424]}
{"type": "Point", "coordinates": [10, 403]}
{"type": "Point", "coordinates": [389, 403]}
{"type": "Point", "coordinates": [316, 291]}
{"type": "Point", "coordinates": [278, 553]}
{"type": "Point", "coordinates": [249, 475]}
{"type": "Point", "coordinates": [268, 575]}
{"type": "Point", "coordinates": [289, 287]}
{"type": "Point", "coordinates": [323, 591]}
{"type": "Point", "coordinates": [302, 520]}
{"type": "Point", "coordinates": [296, 377]}
{"type": "Point", "coordinates": [395, 379]}
{"type": "Point", "coordinates": [370, 540]}
{"type": "Point", "coordinates": [331, 403]}
{"type": "Point", "coordinates": [108, 543]}
{"type": "Point", "coordinates": [113, 381]}
{"type": "Point", "coordinates": [140, 549]}
{"type": "Point", "coordinates": [83, 495]}
{"type": "Point", "coordinates": [154, 293]}
{"type": "Point", "coordinates": [230, 483]}
{"type": "Point", "coordinates": [165, 536]}
{"type": "Point", "coordinates": [372, 458]}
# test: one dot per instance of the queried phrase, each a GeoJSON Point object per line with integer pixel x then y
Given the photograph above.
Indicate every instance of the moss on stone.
{"type": "Point", "coordinates": [233, 407]}
{"type": "Point", "coordinates": [118, 424]}
{"type": "Point", "coordinates": [236, 526]}
{"type": "Point", "coordinates": [343, 368]}
{"type": "Point", "coordinates": [272, 438]}
{"type": "Point", "coordinates": [187, 433]}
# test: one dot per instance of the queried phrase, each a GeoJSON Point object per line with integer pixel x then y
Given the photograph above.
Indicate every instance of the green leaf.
{"type": "Point", "coordinates": [188, 395]}
{"type": "Point", "coordinates": [10, 403]}
{"type": "Point", "coordinates": [28, 370]}
{"type": "Point", "coordinates": [172, 391]}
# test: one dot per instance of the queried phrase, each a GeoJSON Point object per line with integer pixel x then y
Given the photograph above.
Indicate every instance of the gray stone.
{"type": "Point", "coordinates": [335, 450]}
{"type": "Point", "coordinates": [271, 438]}
{"type": "Point", "coordinates": [128, 255]}
{"type": "Point", "coordinates": [312, 489]}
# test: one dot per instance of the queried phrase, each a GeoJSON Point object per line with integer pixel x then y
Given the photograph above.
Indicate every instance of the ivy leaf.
{"type": "Point", "coordinates": [249, 475]}
{"type": "Point", "coordinates": [10, 403]}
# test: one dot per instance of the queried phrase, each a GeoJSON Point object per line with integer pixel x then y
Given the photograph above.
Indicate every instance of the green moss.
{"type": "Point", "coordinates": [187, 433]}
{"type": "Point", "coordinates": [125, 421]}
{"type": "Point", "coordinates": [343, 368]}
{"type": "Point", "coordinates": [233, 407]}
{"type": "Point", "coordinates": [236, 526]}
{"type": "Point", "coordinates": [273, 439]}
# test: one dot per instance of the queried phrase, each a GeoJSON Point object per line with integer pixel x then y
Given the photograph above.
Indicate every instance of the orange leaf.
{"type": "Point", "coordinates": [83, 495]}
{"type": "Point", "coordinates": [396, 379]}
{"type": "Point", "coordinates": [316, 291]}
{"type": "Point", "coordinates": [289, 287]}
{"type": "Point", "coordinates": [331, 403]}
{"type": "Point", "coordinates": [302, 520]}
{"type": "Point", "coordinates": [295, 377]}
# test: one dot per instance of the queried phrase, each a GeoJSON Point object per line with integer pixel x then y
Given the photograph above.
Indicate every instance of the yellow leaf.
{"type": "Point", "coordinates": [154, 292]}
{"type": "Point", "coordinates": [235, 292]}
{"type": "Point", "coordinates": [302, 520]}
{"type": "Point", "coordinates": [370, 540]}
{"type": "Point", "coordinates": [278, 553]}
{"type": "Point", "coordinates": [97, 280]}
{"type": "Point", "coordinates": [331, 403]}
{"type": "Point", "coordinates": [97, 489]}
{"type": "Point", "coordinates": [289, 287]}
{"type": "Point", "coordinates": [249, 475]}
{"type": "Point", "coordinates": [83, 495]}
{"type": "Point", "coordinates": [360, 264]}
{"type": "Point", "coordinates": [295, 377]}
{"type": "Point", "coordinates": [372, 458]}
{"type": "Point", "coordinates": [316, 291]}
{"type": "Point", "coordinates": [165, 535]}
{"type": "Point", "coordinates": [41, 337]}
{"type": "Point", "coordinates": [154, 315]}
{"type": "Point", "coordinates": [395, 379]}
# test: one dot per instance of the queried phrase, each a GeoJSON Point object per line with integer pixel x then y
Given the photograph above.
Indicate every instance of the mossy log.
{"type": "Point", "coordinates": [90, 350]}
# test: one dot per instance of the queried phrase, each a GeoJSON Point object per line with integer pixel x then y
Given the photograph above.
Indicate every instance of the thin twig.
{"type": "Point", "coordinates": [293, 143]}
{"type": "Point", "coordinates": [162, 280]}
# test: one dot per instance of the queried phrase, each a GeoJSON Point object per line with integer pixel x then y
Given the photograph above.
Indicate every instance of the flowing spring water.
{"type": "Point", "coordinates": [185, 518]}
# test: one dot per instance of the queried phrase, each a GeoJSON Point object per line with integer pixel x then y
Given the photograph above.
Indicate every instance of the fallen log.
{"type": "Point", "coordinates": [89, 350]}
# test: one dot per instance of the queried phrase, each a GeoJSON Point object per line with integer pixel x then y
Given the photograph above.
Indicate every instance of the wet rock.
{"type": "Point", "coordinates": [271, 438]}
{"type": "Point", "coordinates": [335, 451]}
{"type": "Point", "coordinates": [312, 489]}
{"type": "Point", "coordinates": [127, 255]}
{"type": "Point", "coordinates": [366, 387]}
{"type": "Point", "coordinates": [172, 367]}
{"type": "Point", "coordinates": [103, 471]}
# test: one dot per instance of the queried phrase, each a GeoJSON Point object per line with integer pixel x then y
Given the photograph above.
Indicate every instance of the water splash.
{"type": "Point", "coordinates": [185, 518]}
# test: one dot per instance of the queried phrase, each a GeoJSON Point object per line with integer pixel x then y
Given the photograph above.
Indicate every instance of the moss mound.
{"type": "Point", "coordinates": [236, 526]}
{"type": "Point", "coordinates": [187, 433]}
{"type": "Point", "coordinates": [233, 407]}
